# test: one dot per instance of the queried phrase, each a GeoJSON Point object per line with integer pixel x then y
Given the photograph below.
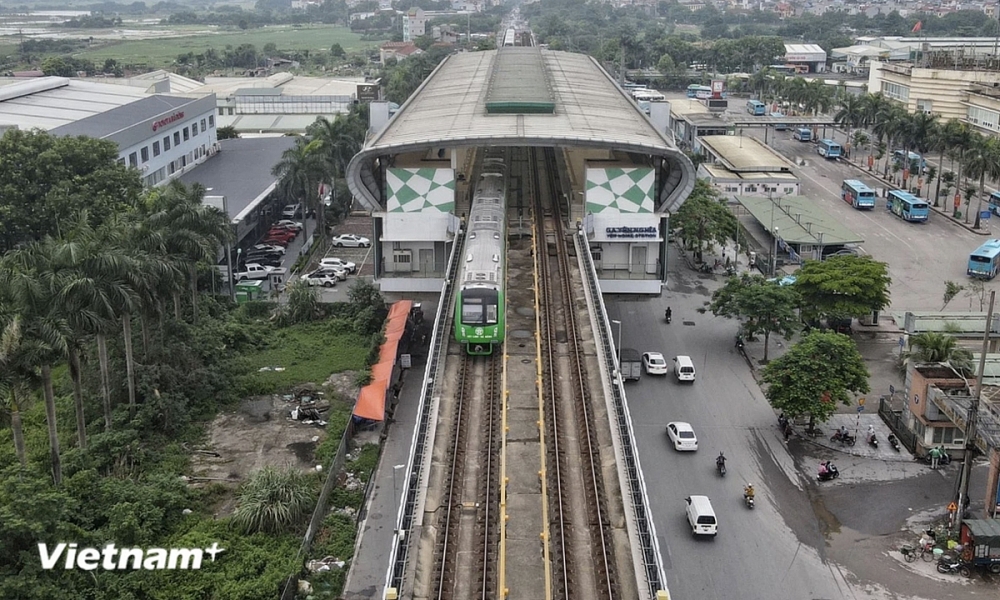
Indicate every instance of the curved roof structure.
{"type": "Point", "coordinates": [455, 106]}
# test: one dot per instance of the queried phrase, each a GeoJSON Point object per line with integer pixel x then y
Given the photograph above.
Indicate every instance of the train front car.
{"type": "Point", "coordinates": [479, 310]}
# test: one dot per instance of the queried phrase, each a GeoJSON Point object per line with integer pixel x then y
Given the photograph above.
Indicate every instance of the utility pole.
{"type": "Point", "coordinates": [970, 421]}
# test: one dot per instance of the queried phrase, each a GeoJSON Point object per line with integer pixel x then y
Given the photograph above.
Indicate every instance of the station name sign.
{"type": "Point", "coordinates": [631, 233]}
{"type": "Point", "coordinates": [168, 120]}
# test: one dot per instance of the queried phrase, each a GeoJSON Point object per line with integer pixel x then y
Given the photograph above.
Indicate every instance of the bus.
{"type": "Point", "coordinates": [828, 149]}
{"type": "Point", "coordinates": [985, 260]}
{"type": "Point", "coordinates": [912, 157]}
{"type": "Point", "coordinates": [994, 201]}
{"type": "Point", "coordinates": [803, 134]}
{"type": "Point", "coordinates": [756, 108]}
{"type": "Point", "coordinates": [699, 91]}
{"type": "Point", "coordinates": [783, 69]}
{"type": "Point", "coordinates": [907, 206]}
{"type": "Point", "coordinates": [857, 194]}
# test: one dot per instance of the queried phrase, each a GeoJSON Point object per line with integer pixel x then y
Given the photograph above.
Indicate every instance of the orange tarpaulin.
{"type": "Point", "coordinates": [371, 402]}
{"type": "Point", "coordinates": [395, 326]}
{"type": "Point", "coordinates": [388, 351]}
{"type": "Point", "coordinates": [382, 371]}
{"type": "Point", "coordinates": [400, 308]}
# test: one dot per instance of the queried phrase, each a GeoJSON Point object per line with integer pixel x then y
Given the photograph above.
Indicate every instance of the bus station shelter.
{"type": "Point", "coordinates": [792, 229]}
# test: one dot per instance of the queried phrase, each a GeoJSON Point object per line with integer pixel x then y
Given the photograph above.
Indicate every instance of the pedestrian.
{"type": "Point", "coordinates": [788, 430]}
{"type": "Point", "coordinates": [395, 392]}
{"type": "Point", "coordinates": [935, 457]}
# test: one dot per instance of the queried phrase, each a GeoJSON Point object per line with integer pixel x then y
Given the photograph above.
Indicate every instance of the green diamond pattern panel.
{"type": "Point", "coordinates": [418, 190]}
{"type": "Point", "coordinates": [622, 190]}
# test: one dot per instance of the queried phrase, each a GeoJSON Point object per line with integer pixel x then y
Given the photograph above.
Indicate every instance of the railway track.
{"type": "Point", "coordinates": [468, 534]}
{"type": "Point", "coordinates": [581, 548]}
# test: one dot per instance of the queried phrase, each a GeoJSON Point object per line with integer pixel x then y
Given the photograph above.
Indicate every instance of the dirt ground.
{"type": "Point", "coordinates": [261, 433]}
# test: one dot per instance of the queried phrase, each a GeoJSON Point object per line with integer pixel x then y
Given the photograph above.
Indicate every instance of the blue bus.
{"type": "Point", "coordinates": [911, 158]}
{"type": "Point", "coordinates": [803, 134]}
{"type": "Point", "coordinates": [828, 149]}
{"type": "Point", "coordinates": [699, 91]}
{"type": "Point", "coordinates": [995, 202]}
{"type": "Point", "coordinates": [907, 206]}
{"type": "Point", "coordinates": [985, 260]}
{"type": "Point", "coordinates": [756, 108]}
{"type": "Point", "coordinates": [857, 194]}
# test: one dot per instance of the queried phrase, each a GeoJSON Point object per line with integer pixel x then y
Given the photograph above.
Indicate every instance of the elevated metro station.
{"type": "Point", "coordinates": [621, 177]}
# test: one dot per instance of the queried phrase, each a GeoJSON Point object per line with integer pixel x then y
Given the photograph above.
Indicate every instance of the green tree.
{"type": "Point", "coordinates": [704, 219]}
{"type": "Point", "coordinates": [337, 51]}
{"type": "Point", "coordinates": [227, 133]}
{"type": "Point", "coordinates": [300, 171]}
{"type": "Point", "coordinates": [274, 501]}
{"type": "Point", "coordinates": [951, 289]}
{"type": "Point", "coordinates": [46, 181]}
{"type": "Point", "coordinates": [984, 161]}
{"type": "Point", "coordinates": [819, 372]}
{"type": "Point", "coordinates": [935, 347]}
{"type": "Point", "coordinates": [18, 357]}
{"type": "Point", "coordinates": [761, 306]}
{"type": "Point", "coordinates": [842, 287]}
{"type": "Point", "coordinates": [850, 115]}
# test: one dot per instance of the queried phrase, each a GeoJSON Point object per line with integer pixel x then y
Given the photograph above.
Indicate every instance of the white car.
{"type": "Point", "coordinates": [291, 211]}
{"type": "Point", "coordinates": [321, 277]}
{"type": "Point", "coordinates": [654, 363]}
{"type": "Point", "coordinates": [268, 248]}
{"type": "Point", "coordinates": [253, 271]}
{"type": "Point", "coordinates": [338, 272]}
{"type": "Point", "coordinates": [336, 262]}
{"type": "Point", "coordinates": [682, 436]}
{"type": "Point", "coordinates": [351, 241]}
{"type": "Point", "coordinates": [289, 224]}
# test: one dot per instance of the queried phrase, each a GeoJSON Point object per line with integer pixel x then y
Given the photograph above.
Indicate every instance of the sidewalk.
{"type": "Point", "coordinates": [366, 577]}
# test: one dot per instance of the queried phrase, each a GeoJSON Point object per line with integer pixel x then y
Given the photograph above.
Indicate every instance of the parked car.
{"type": "Point", "coordinates": [682, 436]}
{"type": "Point", "coordinates": [338, 272]}
{"type": "Point", "coordinates": [283, 235]}
{"type": "Point", "coordinates": [288, 224]}
{"type": "Point", "coordinates": [351, 241]}
{"type": "Point", "coordinates": [266, 248]}
{"type": "Point", "coordinates": [654, 363]}
{"type": "Point", "coordinates": [268, 260]}
{"type": "Point", "coordinates": [338, 262]}
{"type": "Point", "coordinates": [320, 277]}
{"type": "Point", "coordinates": [282, 231]}
{"type": "Point", "coordinates": [253, 271]}
{"type": "Point", "coordinates": [291, 211]}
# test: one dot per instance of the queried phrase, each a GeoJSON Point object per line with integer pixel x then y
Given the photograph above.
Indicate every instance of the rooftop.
{"type": "Point", "coordinates": [804, 49]}
{"type": "Point", "coordinates": [49, 102]}
{"type": "Point", "coordinates": [799, 220]}
{"type": "Point", "coordinates": [241, 172]}
{"type": "Point", "coordinates": [721, 172]}
{"type": "Point", "coordinates": [519, 83]}
{"type": "Point", "coordinates": [288, 84]}
{"type": "Point", "coordinates": [744, 154]}
{"type": "Point", "coordinates": [112, 121]}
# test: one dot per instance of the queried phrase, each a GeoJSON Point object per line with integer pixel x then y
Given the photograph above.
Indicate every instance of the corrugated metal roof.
{"type": "Point", "coordinates": [50, 102]}
{"type": "Point", "coordinates": [799, 220]}
{"type": "Point", "coordinates": [519, 83]}
{"type": "Point", "coordinates": [590, 111]}
{"type": "Point", "coordinates": [804, 49]}
{"type": "Point", "coordinates": [744, 154]}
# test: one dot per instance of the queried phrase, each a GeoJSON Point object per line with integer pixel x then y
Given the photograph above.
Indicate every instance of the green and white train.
{"type": "Point", "coordinates": [479, 304]}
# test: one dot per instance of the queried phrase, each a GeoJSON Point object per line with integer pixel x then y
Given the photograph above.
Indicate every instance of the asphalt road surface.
{"type": "Point", "coordinates": [921, 256]}
{"type": "Point", "coordinates": [803, 540]}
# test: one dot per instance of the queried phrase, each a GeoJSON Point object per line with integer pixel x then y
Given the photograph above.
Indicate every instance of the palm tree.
{"type": "Point", "coordinates": [338, 145]}
{"type": "Point", "coordinates": [962, 141]}
{"type": "Point", "coordinates": [920, 131]}
{"type": "Point", "coordinates": [18, 357]}
{"type": "Point", "coordinates": [942, 138]}
{"type": "Point", "coordinates": [934, 347]}
{"type": "Point", "coordinates": [850, 115]}
{"type": "Point", "coordinates": [301, 170]}
{"type": "Point", "coordinates": [984, 161]}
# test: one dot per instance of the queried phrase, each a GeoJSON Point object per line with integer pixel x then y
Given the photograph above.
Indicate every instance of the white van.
{"type": "Point", "coordinates": [701, 516]}
{"type": "Point", "coordinates": [683, 368]}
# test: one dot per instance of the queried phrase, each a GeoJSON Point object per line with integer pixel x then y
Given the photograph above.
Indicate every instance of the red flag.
{"type": "Point", "coordinates": [917, 27]}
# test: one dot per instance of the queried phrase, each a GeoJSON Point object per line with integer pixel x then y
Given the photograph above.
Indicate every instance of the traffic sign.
{"type": "Point", "coordinates": [861, 409]}
{"type": "Point", "coordinates": [901, 342]}
{"type": "Point", "coordinates": [861, 401]}
{"type": "Point", "coordinates": [892, 389]}
{"type": "Point", "coordinates": [952, 507]}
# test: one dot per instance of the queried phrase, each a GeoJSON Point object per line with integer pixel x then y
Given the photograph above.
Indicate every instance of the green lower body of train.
{"type": "Point", "coordinates": [482, 327]}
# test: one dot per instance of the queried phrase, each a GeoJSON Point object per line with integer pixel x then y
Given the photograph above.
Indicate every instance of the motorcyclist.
{"type": "Point", "coordinates": [843, 432]}
{"type": "Point", "coordinates": [824, 467]}
{"type": "Point", "coordinates": [748, 492]}
{"type": "Point", "coordinates": [720, 461]}
{"type": "Point", "coordinates": [668, 314]}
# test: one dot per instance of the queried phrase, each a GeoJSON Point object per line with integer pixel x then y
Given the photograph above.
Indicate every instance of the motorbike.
{"type": "Point", "coordinates": [830, 473]}
{"type": "Point", "coordinates": [748, 500]}
{"type": "Point", "coordinates": [782, 421]}
{"type": "Point", "coordinates": [843, 438]}
{"type": "Point", "coordinates": [739, 342]}
{"type": "Point", "coordinates": [953, 564]}
{"type": "Point", "coordinates": [893, 442]}
{"type": "Point", "coordinates": [872, 441]}
{"type": "Point", "coordinates": [667, 316]}
{"type": "Point", "coordinates": [706, 268]}
{"type": "Point", "coordinates": [943, 460]}
{"type": "Point", "coordinates": [720, 466]}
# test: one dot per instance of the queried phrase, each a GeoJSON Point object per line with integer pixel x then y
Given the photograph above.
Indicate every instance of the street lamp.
{"type": "Point", "coordinates": [395, 488]}
{"type": "Point", "coordinates": [618, 345]}
{"type": "Point", "coordinates": [774, 255]}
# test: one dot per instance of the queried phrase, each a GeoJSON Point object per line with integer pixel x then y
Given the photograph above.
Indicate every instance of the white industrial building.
{"type": "Point", "coordinates": [810, 55]}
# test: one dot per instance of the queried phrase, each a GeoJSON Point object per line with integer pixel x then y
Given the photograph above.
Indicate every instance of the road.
{"type": "Point", "coordinates": [921, 256]}
{"type": "Point", "coordinates": [803, 540]}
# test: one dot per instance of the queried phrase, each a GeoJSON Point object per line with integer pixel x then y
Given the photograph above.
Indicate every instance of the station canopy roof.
{"type": "Point", "coordinates": [799, 220]}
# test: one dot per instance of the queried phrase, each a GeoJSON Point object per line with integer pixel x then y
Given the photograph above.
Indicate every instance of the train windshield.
{"type": "Point", "coordinates": [479, 307]}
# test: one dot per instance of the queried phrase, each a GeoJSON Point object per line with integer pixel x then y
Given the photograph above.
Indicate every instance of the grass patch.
{"type": "Point", "coordinates": [163, 52]}
{"type": "Point", "coordinates": [309, 353]}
